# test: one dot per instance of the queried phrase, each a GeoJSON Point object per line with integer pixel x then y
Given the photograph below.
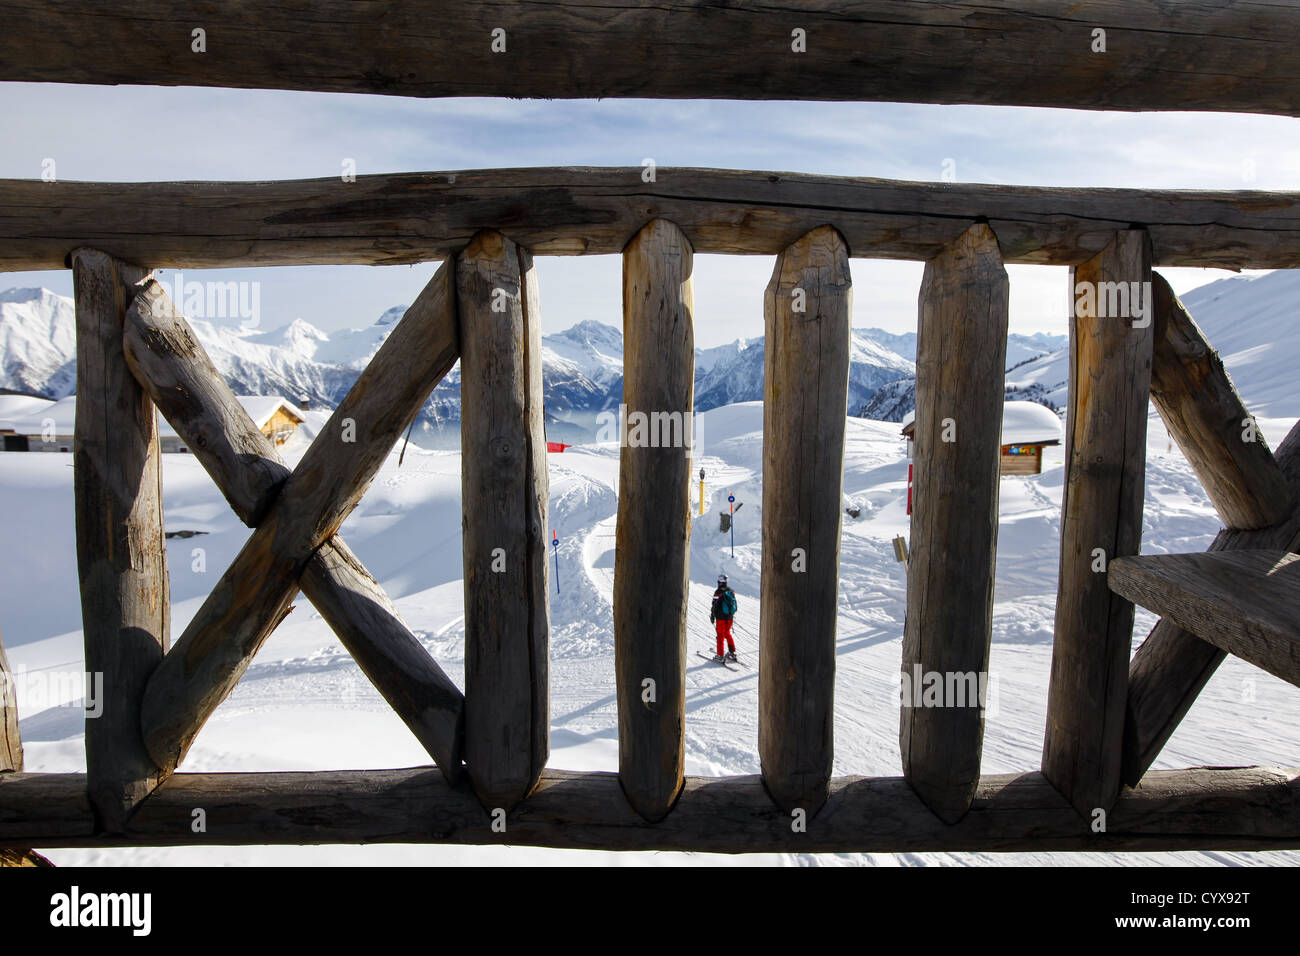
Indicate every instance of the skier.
{"type": "Point", "coordinates": [724, 609]}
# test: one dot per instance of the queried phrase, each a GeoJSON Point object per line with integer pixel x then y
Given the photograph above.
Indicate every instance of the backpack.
{"type": "Point", "coordinates": [728, 607]}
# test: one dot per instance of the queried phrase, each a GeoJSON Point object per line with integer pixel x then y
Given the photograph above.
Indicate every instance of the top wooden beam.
{"type": "Point", "coordinates": [1236, 57]}
{"type": "Point", "coordinates": [403, 218]}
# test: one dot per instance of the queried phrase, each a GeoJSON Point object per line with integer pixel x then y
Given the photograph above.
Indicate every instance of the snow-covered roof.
{"type": "Point", "coordinates": [15, 407]}
{"type": "Point", "coordinates": [260, 408]}
{"type": "Point", "coordinates": [1023, 423]}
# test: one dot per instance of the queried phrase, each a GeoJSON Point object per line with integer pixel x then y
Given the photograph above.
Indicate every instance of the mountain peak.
{"type": "Point", "coordinates": [591, 332]}
{"type": "Point", "coordinates": [392, 316]}
{"type": "Point", "coordinates": [27, 295]}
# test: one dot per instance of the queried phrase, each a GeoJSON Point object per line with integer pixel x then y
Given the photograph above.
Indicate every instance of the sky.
{"type": "Point", "coordinates": [157, 133]}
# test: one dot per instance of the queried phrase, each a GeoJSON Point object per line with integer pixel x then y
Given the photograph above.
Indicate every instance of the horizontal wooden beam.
{"type": "Point", "coordinates": [1244, 602]}
{"type": "Point", "coordinates": [414, 217]}
{"type": "Point", "coordinates": [1148, 56]}
{"type": "Point", "coordinates": [1206, 808]}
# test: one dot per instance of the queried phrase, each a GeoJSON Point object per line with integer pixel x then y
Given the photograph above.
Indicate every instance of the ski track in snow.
{"type": "Point", "coordinates": [304, 705]}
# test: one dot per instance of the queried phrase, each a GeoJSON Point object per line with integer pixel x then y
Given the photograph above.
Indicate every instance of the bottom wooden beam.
{"type": "Point", "coordinates": [1203, 808]}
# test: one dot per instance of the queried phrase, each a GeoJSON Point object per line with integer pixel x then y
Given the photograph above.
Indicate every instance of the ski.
{"type": "Point", "coordinates": [709, 658]}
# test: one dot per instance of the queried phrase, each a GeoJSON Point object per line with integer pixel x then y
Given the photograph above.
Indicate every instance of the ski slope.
{"type": "Point", "coordinates": [304, 705]}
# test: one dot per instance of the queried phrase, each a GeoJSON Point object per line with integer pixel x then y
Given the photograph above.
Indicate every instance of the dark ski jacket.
{"type": "Point", "coordinates": [724, 605]}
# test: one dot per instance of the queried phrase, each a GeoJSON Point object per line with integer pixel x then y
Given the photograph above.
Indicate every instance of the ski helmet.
{"type": "Point", "coordinates": [722, 579]}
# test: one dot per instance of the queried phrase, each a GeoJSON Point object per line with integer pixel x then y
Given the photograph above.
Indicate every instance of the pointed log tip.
{"type": "Point", "coordinates": [653, 807]}
{"type": "Point", "coordinates": [790, 797]}
{"type": "Point", "coordinates": [949, 804]}
{"type": "Point", "coordinates": [487, 244]}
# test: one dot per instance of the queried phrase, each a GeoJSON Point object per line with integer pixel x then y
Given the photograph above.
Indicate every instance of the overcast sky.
{"type": "Point", "coordinates": [142, 134]}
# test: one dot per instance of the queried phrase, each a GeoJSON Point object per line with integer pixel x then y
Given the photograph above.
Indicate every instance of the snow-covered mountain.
{"type": "Point", "coordinates": [1253, 322]}
{"type": "Point", "coordinates": [1019, 346]}
{"type": "Point", "coordinates": [734, 373]}
{"type": "Point", "coordinates": [38, 339]}
{"type": "Point", "coordinates": [582, 366]}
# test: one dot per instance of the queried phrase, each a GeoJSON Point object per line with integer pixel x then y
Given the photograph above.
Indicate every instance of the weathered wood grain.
{"type": "Point", "coordinates": [1244, 602]}
{"type": "Point", "coordinates": [255, 592]}
{"type": "Point", "coordinates": [174, 370]}
{"type": "Point", "coordinates": [414, 217]}
{"type": "Point", "coordinates": [652, 564]}
{"type": "Point", "coordinates": [806, 308]}
{"type": "Point", "coordinates": [165, 356]}
{"type": "Point", "coordinates": [1157, 56]}
{"type": "Point", "coordinates": [961, 349]}
{"type": "Point", "coordinates": [11, 741]}
{"type": "Point", "coordinates": [1172, 665]}
{"type": "Point", "coordinates": [1101, 519]}
{"type": "Point", "coordinates": [1206, 808]}
{"type": "Point", "coordinates": [121, 559]}
{"type": "Point", "coordinates": [1205, 415]}
{"type": "Point", "coordinates": [504, 500]}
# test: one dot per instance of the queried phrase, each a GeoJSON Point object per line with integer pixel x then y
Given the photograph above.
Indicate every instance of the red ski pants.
{"type": "Point", "coordinates": [724, 630]}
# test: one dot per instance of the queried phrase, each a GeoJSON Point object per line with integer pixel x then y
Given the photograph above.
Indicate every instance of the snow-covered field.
{"type": "Point", "coordinates": [304, 705]}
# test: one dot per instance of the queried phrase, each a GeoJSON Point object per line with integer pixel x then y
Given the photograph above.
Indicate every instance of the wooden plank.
{"type": "Point", "coordinates": [121, 558]}
{"type": "Point", "coordinates": [1204, 808]}
{"type": "Point", "coordinates": [1172, 665]}
{"type": "Point", "coordinates": [1035, 53]}
{"type": "Point", "coordinates": [414, 217]}
{"type": "Point", "coordinates": [961, 350]}
{"type": "Point", "coordinates": [255, 592]}
{"type": "Point", "coordinates": [11, 741]}
{"type": "Point", "coordinates": [1205, 415]}
{"type": "Point", "coordinates": [654, 517]}
{"type": "Point", "coordinates": [166, 357]}
{"type": "Point", "coordinates": [806, 308]}
{"type": "Point", "coordinates": [1101, 519]}
{"type": "Point", "coordinates": [504, 491]}
{"type": "Point", "coordinates": [1244, 602]}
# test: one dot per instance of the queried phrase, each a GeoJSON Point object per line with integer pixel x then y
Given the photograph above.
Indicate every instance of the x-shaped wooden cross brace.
{"type": "Point", "coordinates": [296, 517]}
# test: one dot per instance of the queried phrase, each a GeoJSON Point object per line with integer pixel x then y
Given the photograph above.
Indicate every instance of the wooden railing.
{"type": "Point", "coordinates": [1107, 717]}
{"type": "Point", "coordinates": [135, 353]}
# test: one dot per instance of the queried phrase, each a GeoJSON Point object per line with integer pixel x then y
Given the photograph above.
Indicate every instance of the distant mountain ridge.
{"type": "Point", "coordinates": [1251, 321]}
{"type": "Point", "coordinates": [582, 367]}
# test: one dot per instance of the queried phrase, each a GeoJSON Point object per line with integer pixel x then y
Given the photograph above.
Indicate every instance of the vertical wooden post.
{"type": "Point", "coordinates": [120, 554]}
{"type": "Point", "coordinates": [805, 396]}
{"type": "Point", "coordinates": [11, 742]}
{"type": "Point", "coordinates": [504, 490]}
{"type": "Point", "coordinates": [961, 349]}
{"type": "Point", "coordinates": [1101, 518]}
{"type": "Point", "coordinates": [654, 522]}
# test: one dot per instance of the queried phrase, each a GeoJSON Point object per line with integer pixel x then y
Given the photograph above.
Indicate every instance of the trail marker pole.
{"type": "Point", "coordinates": [731, 503]}
{"type": "Point", "coordinates": [555, 547]}
{"type": "Point", "coordinates": [701, 491]}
